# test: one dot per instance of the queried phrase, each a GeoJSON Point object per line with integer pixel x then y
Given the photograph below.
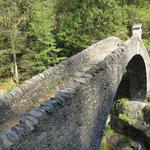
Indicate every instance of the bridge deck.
{"type": "Point", "coordinates": [77, 114]}
{"type": "Point", "coordinates": [13, 118]}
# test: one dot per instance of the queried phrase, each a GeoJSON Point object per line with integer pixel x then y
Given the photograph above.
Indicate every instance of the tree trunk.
{"type": "Point", "coordinates": [16, 74]}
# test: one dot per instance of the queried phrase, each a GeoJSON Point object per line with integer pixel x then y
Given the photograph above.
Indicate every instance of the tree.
{"type": "Point", "coordinates": [10, 23]}
{"type": "Point", "coordinates": [80, 23]}
{"type": "Point", "coordinates": [36, 34]}
{"type": "Point", "coordinates": [41, 31]}
{"type": "Point", "coordinates": [132, 2]}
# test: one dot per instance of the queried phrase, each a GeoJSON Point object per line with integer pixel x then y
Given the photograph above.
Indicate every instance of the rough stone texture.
{"type": "Point", "coordinates": [75, 117]}
{"type": "Point", "coordinates": [133, 124]}
{"type": "Point", "coordinates": [116, 141]}
{"type": "Point", "coordinates": [20, 98]}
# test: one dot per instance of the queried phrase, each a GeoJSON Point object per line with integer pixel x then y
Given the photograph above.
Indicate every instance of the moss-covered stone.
{"type": "Point", "coordinates": [124, 117]}
{"type": "Point", "coordinates": [108, 131]}
{"type": "Point", "coordinates": [115, 141]}
{"type": "Point", "coordinates": [123, 102]}
{"type": "Point", "coordinates": [121, 106]}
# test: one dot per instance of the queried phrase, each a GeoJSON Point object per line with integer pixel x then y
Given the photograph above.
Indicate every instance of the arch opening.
{"type": "Point", "coordinates": [137, 79]}
{"type": "Point", "coordinates": [133, 86]}
{"type": "Point", "coordinates": [134, 81]}
{"type": "Point", "coordinates": [123, 90]}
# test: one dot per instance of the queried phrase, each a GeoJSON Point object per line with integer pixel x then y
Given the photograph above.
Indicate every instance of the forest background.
{"type": "Point", "coordinates": [37, 34]}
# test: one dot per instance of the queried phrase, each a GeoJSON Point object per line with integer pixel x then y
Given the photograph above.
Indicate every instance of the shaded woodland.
{"type": "Point", "coordinates": [36, 34]}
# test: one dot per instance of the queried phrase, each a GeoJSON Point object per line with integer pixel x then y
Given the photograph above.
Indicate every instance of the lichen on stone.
{"type": "Point", "coordinates": [121, 105]}
{"type": "Point", "coordinates": [131, 121]}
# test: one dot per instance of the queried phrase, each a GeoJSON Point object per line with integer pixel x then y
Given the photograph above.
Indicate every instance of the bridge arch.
{"type": "Point", "coordinates": [75, 117]}
{"type": "Point", "coordinates": [133, 84]}
{"type": "Point", "coordinates": [137, 77]}
{"type": "Point", "coordinates": [137, 70]}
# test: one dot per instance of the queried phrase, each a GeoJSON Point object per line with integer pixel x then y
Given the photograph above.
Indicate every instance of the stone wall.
{"type": "Point", "coordinates": [129, 118]}
{"type": "Point", "coordinates": [75, 117]}
{"type": "Point", "coordinates": [52, 77]}
{"type": "Point", "coordinates": [33, 92]}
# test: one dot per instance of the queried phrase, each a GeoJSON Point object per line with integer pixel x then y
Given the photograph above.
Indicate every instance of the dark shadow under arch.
{"type": "Point", "coordinates": [133, 85]}
{"type": "Point", "coordinates": [123, 90]}
{"type": "Point", "coordinates": [134, 81]}
{"type": "Point", "coordinates": [137, 77]}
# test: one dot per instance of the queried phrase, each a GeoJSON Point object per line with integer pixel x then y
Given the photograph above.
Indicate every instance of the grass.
{"type": "Point", "coordinates": [7, 84]}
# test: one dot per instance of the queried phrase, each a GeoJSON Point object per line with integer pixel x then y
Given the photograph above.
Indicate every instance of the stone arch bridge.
{"type": "Point", "coordinates": [66, 106]}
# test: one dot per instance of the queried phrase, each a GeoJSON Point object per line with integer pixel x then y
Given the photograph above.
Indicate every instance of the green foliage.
{"type": "Point", "coordinates": [108, 132]}
{"type": "Point", "coordinates": [84, 22]}
{"type": "Point", "coordinates": [43, 33]}
{"type": "Point", "coordinates": [122, 107]}
{"type": "Point", "coordinates": [105, 145]}
{"type": "Point", "coordinates": [12, 38]}
{"type": "Point", "coordinates": [7, 84]}
{"type": "Point", "coordinates": [140, 14]}
{"type": "Point", "coordinates": [26, 31]}
{"type": "Point", "coordinates": [42, 39]}
{"type": "Point", "coordinates": [112, 140]}
{"type": "Point", "coordinates": [123, 102]}
{"type": "Point", "coordinates": [125, 118]}
{"type": "Point", "coordinates": [133, 2]}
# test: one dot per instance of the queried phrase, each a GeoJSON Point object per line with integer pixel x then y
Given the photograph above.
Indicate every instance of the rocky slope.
{"type": "Point", "coordinates": [129, 126]}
